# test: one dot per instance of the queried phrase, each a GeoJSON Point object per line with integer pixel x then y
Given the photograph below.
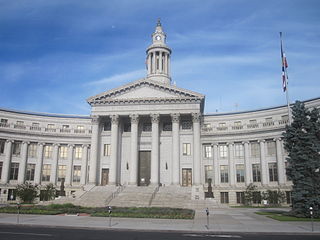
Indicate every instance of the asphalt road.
{"type": "Point", "coordinates": [10, 232]}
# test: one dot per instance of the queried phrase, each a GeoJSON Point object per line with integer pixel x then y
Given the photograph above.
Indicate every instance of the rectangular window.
{"type": "Point", "coordinates": [223, 151]}
{"type": "Point", "coordinates": [107, 150]}
{"type": "Point", "coordinates": [186, 149]}
{"type": "Point", "coordinates": [1, 164]}
{"type": "Point", "coordinates": [238, 150]}
{"type": "Point", "coordinates": [78, 152]}
{"type": "Point", "coordinates": [30, 172]}
{"type": "Point", "coordinates": [107, 126]}
{"type": "Point", "coordinates": [207, 151]}
{"type": "Point", "coordinates": [32, 151]}
{"type": "Point", "coordinates": [2, 144]}
{"type": "Point", "coordinates": [240, 197]}
{"type": "Point", "coordinates": [273, 172]}
{"type": "Point", "coordinates": [62, 173]}
{"type": "Point", "coordinates": [63, 152]}
{"type": "Point", "coordinates": [255, 149]}
{"type": "Point", "coordinates": [224, 174]}
{"type": "Point", "coordinates": [48, 151]}
{"type": "Point", "coordinates": [16, 148]}
{"type": "Point", "coordinates": [146, 127]}
{"type": "Point", "coordinates": [65, 126]}
{"type": "Point", "coordinates": [50, 126]}
{"type": "Point", "coordinates": [224, 197]}
{"type": "Point", "coordinates": [46, 171]}
{"type": "Point", "coordinates": [271, 148]}
{"type": "Point", "coordinates": [256, 173]}
{"type": "Point", "coordinates": [186, 125]}
{"type": "Point", "coordinates": [208, 173]}
{"type": "Point", "coordinates": [79, 129]}
{"type": "Point", "coordinates": [240, 173]}
{"type": "Point", "coordinates": [167, 126]}
{"type": "Point", "coordinates": [76, 173]}
{"type": "Point", "coordinates": [286, 166]}
{"type": "Point", "coordinates": [127, 127]}
{"type": "Point", "coordinates": [14, 169]}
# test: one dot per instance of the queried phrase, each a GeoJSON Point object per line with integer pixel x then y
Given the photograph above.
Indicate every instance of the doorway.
{"type": "Point", "coordinates": [186, 177]}
{"type": "Point", "coordinates": [144, 168]}
{"type": "Point", "coordinates": [104, 176]}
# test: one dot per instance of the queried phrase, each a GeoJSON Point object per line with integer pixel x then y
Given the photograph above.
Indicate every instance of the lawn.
{"type": "Point", "coordinates": [143, 212]}
{"type": "Point", "coordinates": [280, 216]}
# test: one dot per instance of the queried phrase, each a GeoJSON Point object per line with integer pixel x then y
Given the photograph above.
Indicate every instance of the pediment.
{"type": "Point", "coordinates": [144, 90]}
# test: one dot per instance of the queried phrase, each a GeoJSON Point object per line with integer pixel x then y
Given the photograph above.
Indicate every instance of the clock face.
{"type": "Point", "coordinates": [158, 37]}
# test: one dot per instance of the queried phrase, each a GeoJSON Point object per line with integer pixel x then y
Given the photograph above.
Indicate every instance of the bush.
{"type": "Point", "coordinates": [27, 192]}
{"type": "Point", "coordinates": [48, 193]}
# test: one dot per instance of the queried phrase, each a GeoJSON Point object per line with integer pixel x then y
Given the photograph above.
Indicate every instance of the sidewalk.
{"type": "Point", "coordinates": [220, 220]}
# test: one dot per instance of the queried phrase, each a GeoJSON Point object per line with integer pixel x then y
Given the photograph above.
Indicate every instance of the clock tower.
{"type": "Point", "coordinates": [158, 57]}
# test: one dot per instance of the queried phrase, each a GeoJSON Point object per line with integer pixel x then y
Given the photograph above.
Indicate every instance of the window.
{"type": "Point", "coordinates": [46, 170]}
{"type": "Point", "coordinates": [223, 151]}
{"type": "Point", "coordinates": [271, 148]}
{"type": "Point", "coordinates": [2, 144]}
{"type": "Point", "coordinates": [255, 150]}
{"type": "Point", "coordinates": [14, 169]}
{"type": "Point", "coordinates": [186, 125]}
{"type": "Point", "coordinates": [30, 172]}
{"type": "Point", "coordinates": [222, 126]}
{"type": "Point", "coordinates": [146, 127]}
{"type": "Point", "coordinates": [107, 126]}
{"type": "Point", "coordinates": [127, 127]}
{"type": "Point", "coordinates": [289, 197]}
{"type": "Point", "coordinates": [16, 150]}
{"type": "Point", "coordinates": [32, 150]}
{"type": "Point", "coordinates": [256, 197]}
{"type": "Point", "coordinates": [224, 197]}
{"type": "Point", "coordinates": [273, 172]}
{"type": "Point", "coordinates": [63, 152]}
{"type": "Point", "coordinates": [253, 123]}
{"type": "Point", "coordinates": [50, 126]}
{"type": "Point", "coordinates": [1, 164]}
{"type": "Point", "coordinates": [238, 150]}
{"type": "Point", "coordinates": [240, 197]}
{"type": "Point", "coordinates": [207, 151]}
{"type": "Point", "coordinates": [186, 149]}
{"type": "Point", "coordinates": [286, 166]}
{"type": "Point", "coordinates": [62, 173]}
{"type": "Point", "coordinates": [167, 126]}
{"type": "Point", "coordinates": [240, 173]}
{"type": "Point", "coordinates": [76, 173]}
{"type": "Point", "coordinates": [224, 174]}
{"type": "Point", "coordinates": [48, 151]}
{"type": "Point", "coordinates": [79, 129]}
{"type": "Point", "coordinates": [208, 172]}
{"type": "Point", "coordinates": [4, 121]}
{"type": "Point", "coordinates": [256, 173]}
{"type": "Point", "coordinates": [78, 152]}
{"type": "Point", "coordinates": [107, 150]}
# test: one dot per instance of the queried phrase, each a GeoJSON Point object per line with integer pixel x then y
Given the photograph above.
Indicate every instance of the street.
{"type": "Point", "coordinates": [10, 232]}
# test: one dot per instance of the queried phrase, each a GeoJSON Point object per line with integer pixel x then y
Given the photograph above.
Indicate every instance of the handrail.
{"type": "Point", "coordinates": [154, 194]}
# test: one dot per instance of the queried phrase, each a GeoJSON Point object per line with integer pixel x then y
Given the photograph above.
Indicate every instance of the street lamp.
{"type": "Point", "coordinates": [311, 215]}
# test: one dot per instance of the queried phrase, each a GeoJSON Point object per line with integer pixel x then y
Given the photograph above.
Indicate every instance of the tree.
{"type": "Point", "coordinates": [48, 193]}
{"type": "Point", "coordinates": [302, 142]}
{"type": "Point", "coordinates": [27, 192]}
{"type": "Point", "coordinates": [249, 194]}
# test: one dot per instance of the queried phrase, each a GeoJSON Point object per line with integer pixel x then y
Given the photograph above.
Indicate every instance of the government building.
{"type": "Point", "coordinates": [146, 143]}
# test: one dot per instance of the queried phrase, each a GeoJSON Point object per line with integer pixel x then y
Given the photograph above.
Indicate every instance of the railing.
{"type": "Point", "coordinates": [114, 194]}
{"type": "Point", "coordinates": [154, 194]}
{"type": "Point", "coordinates": [35, 128]}
{"type": "Point", "coordinates": [268, 124]}
{"type": "Point", "coordinates": [237, 127]}
{"type": "Point", "coordinates": [19, 126]}
{"type": "Point", "coordinates": [252, 125]}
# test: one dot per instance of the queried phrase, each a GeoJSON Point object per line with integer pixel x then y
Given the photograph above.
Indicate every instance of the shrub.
{"type": "Point", "coordinates": [27, 192]}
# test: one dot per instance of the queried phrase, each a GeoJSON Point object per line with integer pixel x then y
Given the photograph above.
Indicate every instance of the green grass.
{"type": "Point", "coordinates": [261, 206]}
{"type": "Point", "coordinates": [54, 209]}
{"type": "Point", "coordinates": [280, 216]}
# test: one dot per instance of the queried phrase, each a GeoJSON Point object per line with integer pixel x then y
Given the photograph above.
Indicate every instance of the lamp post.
{"type": "Point", "coordinates": [311, 216]}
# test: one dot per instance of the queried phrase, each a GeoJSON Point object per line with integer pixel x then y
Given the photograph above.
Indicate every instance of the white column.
{"type": "Point", "coordinates": [216, 166]}
{"type": "Point", "coordinates": [6, 162]}
{"type": "Point", "coordinates": [155, 150]}
{"type": "Point", "coordinates": [232, 171]}
{"type": "Point", "coordinates": [263, 164]}
{"type": "Point", "coordinates": [247, 164]}
{"type": "Point", "coordinates": [175, 149]}
{"type": "Point", "coordinates": [165, 63]}
{"type": "Point", "coordinates": [69, 165]}
{"type": "Point", "coordinates": [84, 164]}
{"type": "Point", "coordinates": [94, 150]}
{"type": "Point", "coordinates": [168, 70]}
{"type": "Point", "coordinates": [196, 148]}
{"type": "Point", "coordinates": [154, 62]}
{"type": "Point", "coordinates": [133, 168]}
{"type": "Point", "coordinates": [280, 162]}
{"type": "Point", "coordinates": [38, 170]}
{"type": "Point", "coordinates": [23, 162]}
{"type": "Point", "coordinates": [54, 165]}
{"type": "Point", "coordinates": [114, 149]}
{"type": "Point", "coordinates": [149, 63]}
{"type": "Point", "coordinates": [160, 62]}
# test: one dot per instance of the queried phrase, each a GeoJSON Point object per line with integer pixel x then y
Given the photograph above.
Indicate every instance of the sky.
{"type": "Point", "coordinates": [56, 54]}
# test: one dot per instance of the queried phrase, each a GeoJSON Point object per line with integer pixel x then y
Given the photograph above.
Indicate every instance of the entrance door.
{"type": "Point", "coordinates": [186, 177]}
{"type": "Point", "coordinates": [105, 176]}
{"type": "Point", "coordinates": [144, 168]}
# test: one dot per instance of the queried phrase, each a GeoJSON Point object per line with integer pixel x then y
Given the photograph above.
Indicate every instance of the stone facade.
{"type": "Point", "coordinates": [148, 132]}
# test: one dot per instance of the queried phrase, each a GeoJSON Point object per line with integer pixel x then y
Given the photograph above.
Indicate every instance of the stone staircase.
{"type": "Point", "coordinates": [172, 196]}
{"type": "Point", "coordinates": [133, 196]}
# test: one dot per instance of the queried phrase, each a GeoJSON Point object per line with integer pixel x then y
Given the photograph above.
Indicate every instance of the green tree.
{"type": "Point", "coordinates": [249, 194]}
{"type": "Point", "coordinates": [302, 142]}
{"type": "Point", "coordinates": [27, 192]}
{"type": "Point", "coordinates": [48, 193]}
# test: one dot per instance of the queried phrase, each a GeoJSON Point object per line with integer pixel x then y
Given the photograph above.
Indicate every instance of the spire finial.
{"type": "Point", "coordinates": [158, 23]}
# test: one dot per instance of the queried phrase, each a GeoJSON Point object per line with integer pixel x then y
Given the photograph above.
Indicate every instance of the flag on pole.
{"type": "Point", "coordinates": [284, 66]}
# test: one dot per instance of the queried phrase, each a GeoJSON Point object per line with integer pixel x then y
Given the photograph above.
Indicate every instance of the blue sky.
{"type": "Point", "coordinates": [56, 54]}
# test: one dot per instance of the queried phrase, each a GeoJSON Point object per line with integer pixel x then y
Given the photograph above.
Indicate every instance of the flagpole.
{"type": "Point", "coordinates": [285, 72]}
